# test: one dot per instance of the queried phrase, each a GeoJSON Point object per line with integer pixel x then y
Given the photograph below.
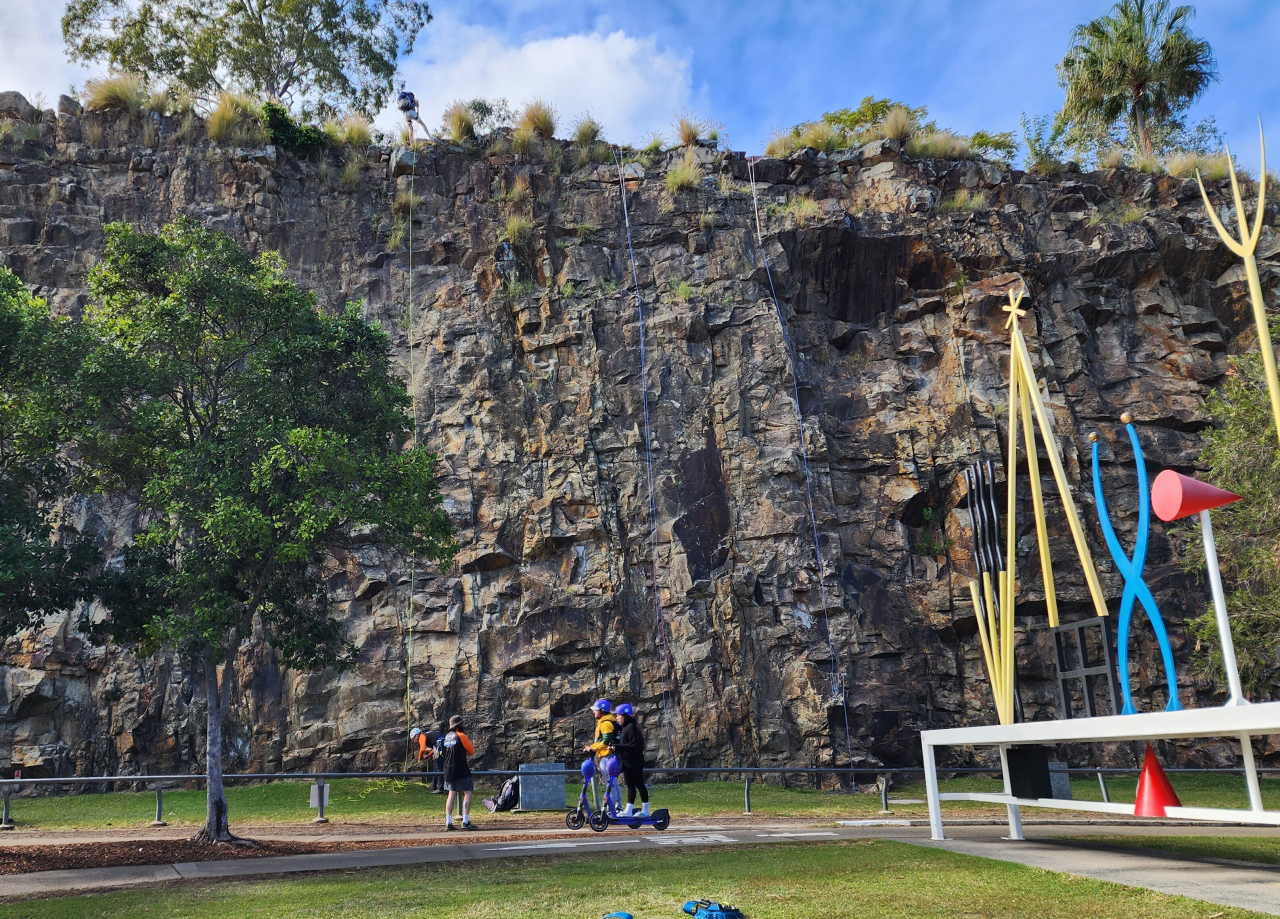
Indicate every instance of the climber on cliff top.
{"type": "Point", "coordinates": [408, 104]}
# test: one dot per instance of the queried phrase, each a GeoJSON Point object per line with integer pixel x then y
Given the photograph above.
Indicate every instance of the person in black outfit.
{"type": "Point", "coordinates": [629, 747]}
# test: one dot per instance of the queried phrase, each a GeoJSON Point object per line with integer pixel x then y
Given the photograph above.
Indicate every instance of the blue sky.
{"type": "Point", "coordinates": [755, 67]}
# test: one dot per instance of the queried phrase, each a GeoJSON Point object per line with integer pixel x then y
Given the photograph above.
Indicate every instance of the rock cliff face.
{"type": "Point", "coordinates": [523, 357]}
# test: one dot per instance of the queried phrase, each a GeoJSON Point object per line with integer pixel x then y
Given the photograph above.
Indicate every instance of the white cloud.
{"type": "Point", "coordinates": [31, 51]}
{"type": "Point", "coordinates": [628, 84]}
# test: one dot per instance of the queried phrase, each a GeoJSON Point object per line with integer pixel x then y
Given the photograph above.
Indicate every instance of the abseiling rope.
{"type": "Point", "coordinates": [413, 556]}
{"type": "Point", "coordinates": [664, 646]}
{"type": "Point", "coordinates": [837, 679]}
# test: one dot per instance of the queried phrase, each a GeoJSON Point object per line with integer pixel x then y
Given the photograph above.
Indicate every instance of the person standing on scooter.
{"type": "Point", "coordinates": [629, 747]}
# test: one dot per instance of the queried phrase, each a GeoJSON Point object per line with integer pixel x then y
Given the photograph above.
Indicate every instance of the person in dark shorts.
{"type": "Point", "coordinates": [629, 746]}
{"type": "Point", "coordinates": [457, 772]}
{"type": "Point", "coordinates": [437, 780]}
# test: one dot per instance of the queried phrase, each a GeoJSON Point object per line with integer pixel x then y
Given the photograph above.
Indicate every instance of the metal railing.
{"type": "Point", "coordinates": [8, 787]}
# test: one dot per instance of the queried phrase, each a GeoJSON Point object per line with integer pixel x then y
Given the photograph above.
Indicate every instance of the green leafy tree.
{"type": "Point", "coordinates": [859, 122]}
{"type": "Point", "coordinates": [1140, 62]}
{"type": "Point", "coordinates": [41, 572]}
{"type": "Point", "coordinates": [259, 437]}
{"type": "Point", "coordinates": [320, 55]}
{"type": "Point", "coordinates": [1240, 452]}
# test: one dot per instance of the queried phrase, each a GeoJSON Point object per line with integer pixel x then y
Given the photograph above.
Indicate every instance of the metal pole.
{"type": "Point", "coordinates": [1015, 813]}
{"type": "Point", "coordinates": [1220, 610]}
{"type": "Point", "coordinates": [883, 781]}
{"type": "Point", "coordinates": [1102, 781]}
{"type": "Point", "coordinates": [747, 787]}
{"type": "Point", "coordinates": [1250, 773]}
{"type": "Point", "coordinates": [159, 821]}
{"type": "Point", "coordinates": [7, 822]}
{"type": "Point", "coordinates": [931, 792]}
{"type": "Point", "coordinates": [320, 787]}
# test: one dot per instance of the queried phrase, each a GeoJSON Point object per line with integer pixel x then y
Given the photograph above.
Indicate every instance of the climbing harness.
{"type": "Point", "coordinates": [664, 647]}
{"type": "Point", "coordinates": [839, 687]}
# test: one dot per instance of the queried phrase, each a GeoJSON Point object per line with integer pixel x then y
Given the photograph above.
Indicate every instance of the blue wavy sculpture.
{"type": "Point", "coordinates": [1135, 588]}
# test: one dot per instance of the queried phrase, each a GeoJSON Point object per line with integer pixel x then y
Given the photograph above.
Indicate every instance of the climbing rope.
{"type": "Point", "coordinates": [407, 623]}
{"type": "Point", "coordinates": [664, 647]}
{"type": "Point", "coordinates": [838, 682]}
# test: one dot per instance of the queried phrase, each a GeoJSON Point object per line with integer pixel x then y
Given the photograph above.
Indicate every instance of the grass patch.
{"type": "Point", "coordinates": [351, 173]}
{"type": "Point", "coordinates": [523, 139]}
{"type": "Point", "coordinates": [405, 204]}
{"type": "Point", "coordinates": [124, 92]}
{"type": "Point", "coordinates": [235, 120]}
{"type": "Point", "coordinates": [965, 201]}
{"type": "Point", "coordinates": [459, 123]}
{"type": "Point", "coordinates": [689, 130]}
{"type": "Point", "coordinates": [871, 880]}
{"type": "Point", "coordinates": [1184, 165]}
{"type": "Point", "coordinates": [683, 175]}
{"type": "Point", "coordinates": [354, 131]}
{"type": "Point", "coordinates": [939, 145]}
{"type": "Point", "coordinates": [539, 118]}
{"type": "Point", "coordinates": [1265, 850]}
{"type": "Point", "coordinates": [1117, 212]}
{"type": "Point", "coordinates": [518, 231]}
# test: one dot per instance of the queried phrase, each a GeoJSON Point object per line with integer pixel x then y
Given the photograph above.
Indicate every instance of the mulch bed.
{"type": "Point", "coordinates": [24, 859]}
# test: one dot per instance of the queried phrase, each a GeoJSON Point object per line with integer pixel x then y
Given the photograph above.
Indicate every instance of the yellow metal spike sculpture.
{"type": "Point", "coordinates": [1244, 247]}
{"type": "Point", "coordinates": [994, 599]}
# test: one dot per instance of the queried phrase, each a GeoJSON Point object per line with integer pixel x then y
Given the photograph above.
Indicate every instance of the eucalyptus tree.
{"type": "Point", "coordinates": [318, 55]}
{"type": "Point", "coordinates": [1140, 63]}
{"type": "Point", "coordinates": [259, 437]}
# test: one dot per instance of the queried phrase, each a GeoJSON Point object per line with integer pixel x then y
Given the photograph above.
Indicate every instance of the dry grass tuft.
{"type": "Point", "coordinates": [405, 204]}
{"type": "Point", "coordinates": [355, 131]}
{"type": "Point", "coordinates": [587, 132]}
{"type": "Point", "coordinates": [539, 118]}
{"type": "Point", "coordinates": [1112, 159]}
{"type": "Point", "coordinates": [1216, 167]}
{"type": "Point", "coordinates": [150, 134]}
{"type": "Point", "coordinates": [689, 129]}
{"type": "Point", "coordinates": [965, 200]}
{"type": "Point", "coordinates": [939, 145]}
{"type": "Point", "coordinates": [1148, 164]}
{"type": "Point", "coordinates": [685, 174]}
{"type": "Point", "coordinates": [804, 209]}
{"type": "Point", "coordinates": [235, 120]}
{"type": "Point", "coordinates": [160, 102]}
{"type": "Point", "coordinates": [523, 140]}
{"type": "Point", "coordinates": [899, 123]}
{"type": "Point", "coordinates": [124, 92]}
{"type": "Point", "coordinates": [93, 134]}
{"type": "Point", "coordinates": [459, 123]}
{"type": "Point", "coordinates": [781, 144]}
{"type": "Point", "coordinates": [189, 128]}
{"type": "Point", "coordinates": [351, 173]}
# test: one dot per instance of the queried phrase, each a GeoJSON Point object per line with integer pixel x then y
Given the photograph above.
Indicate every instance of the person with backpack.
{"type": "Point", "coordinates": [437, 756]}
{"type": "Point", "coordinates": [629, 747]}
{"type": "Point", "coordinates": [457, 773]}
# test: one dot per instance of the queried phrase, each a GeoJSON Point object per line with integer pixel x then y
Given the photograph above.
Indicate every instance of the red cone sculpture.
{"type": "Point", "coordinates": [1154, 791]}
{"type": "Point", "coordinates": [1175, 495]}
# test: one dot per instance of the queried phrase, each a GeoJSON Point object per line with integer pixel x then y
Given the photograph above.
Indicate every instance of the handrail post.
{"type": "Point", "coordinates": [319, 793]}
{"type": "Point", "coordinates": [747, 787]}
{"type": "Point", "coordinates": [7, 822]}
{"type": "Point", "coordinates": [159, 821]}
{"type": "Point", "coordinates": [1102, 781]}
{"type": "Point", "coordinates": [883, 781]}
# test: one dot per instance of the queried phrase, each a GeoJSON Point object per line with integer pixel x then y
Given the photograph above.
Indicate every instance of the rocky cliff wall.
{"type": "Point", "coordinates": [525, 369]}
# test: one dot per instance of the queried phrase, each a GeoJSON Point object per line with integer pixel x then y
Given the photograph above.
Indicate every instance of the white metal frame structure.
{"type": "Point", "coordinates": [1241, 723]}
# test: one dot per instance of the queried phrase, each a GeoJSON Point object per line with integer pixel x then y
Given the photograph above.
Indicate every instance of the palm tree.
{"type": "Point", "coordinates": [1140, 60]}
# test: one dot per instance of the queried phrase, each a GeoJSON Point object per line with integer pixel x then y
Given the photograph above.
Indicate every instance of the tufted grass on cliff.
{"type": "Point", "coordinates": [539, 118]}
{"type": "Point", "coordinates": [123, 92]}
{"type": "Point", "coordinates": [965, 201]}
{"type": "Point", "coordinates": [236, 120]}
{"type": "Point", "coordinates": [871, 879]}
{"type": "Point", "coordinates": [683, 175]}
{"type": "Point", "coordinates": [459, 123]}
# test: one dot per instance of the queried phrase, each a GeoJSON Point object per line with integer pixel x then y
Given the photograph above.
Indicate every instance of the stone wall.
{"type": "Point", "coordinates": [525, 369]}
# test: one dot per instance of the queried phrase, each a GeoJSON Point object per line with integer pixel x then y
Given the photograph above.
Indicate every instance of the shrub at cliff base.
{"type": "Point", "coordinates": [256, 435]}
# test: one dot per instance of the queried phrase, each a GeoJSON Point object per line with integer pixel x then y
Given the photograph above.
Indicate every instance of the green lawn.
{"type": "Point", "coordinates": [390, 802]}
{"type": "Point", "coordinates": [1262, 849]}
{"type": "Point", "coordinates": [867, 880]}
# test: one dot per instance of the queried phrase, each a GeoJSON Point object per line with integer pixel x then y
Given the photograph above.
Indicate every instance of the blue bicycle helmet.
{"type": "Point", "coordinates": [588, 769]}
{"type": "Point", "coordinates": [612, 766]}
{"type": "Point", "coordinates": [625, 709]}
{"type": "Point", "coordinates": [601, 705]}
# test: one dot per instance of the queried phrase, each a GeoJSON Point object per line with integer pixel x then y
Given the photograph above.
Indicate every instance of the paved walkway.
{"type": "Point", "coordinates": [1247, 886]}
{"type": "Point", "coordinates": [1240, 884]}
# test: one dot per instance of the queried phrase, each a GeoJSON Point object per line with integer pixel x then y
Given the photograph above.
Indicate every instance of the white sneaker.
{"type": "Point", "coordinates": [628, 811]}
{"type": "Point", "coordinates": [644, 810]}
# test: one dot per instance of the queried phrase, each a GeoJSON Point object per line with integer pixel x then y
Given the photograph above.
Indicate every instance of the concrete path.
{"type": "Point", "coordinates": [1239, 884]}
{"type": "Point", "coordinates": [1247, 886]}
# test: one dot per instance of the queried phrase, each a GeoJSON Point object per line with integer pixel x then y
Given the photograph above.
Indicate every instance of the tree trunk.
{"type": "Point", "coordinates": [1140, 122]}
{"type": "Point", "coordinates": [216, 827]}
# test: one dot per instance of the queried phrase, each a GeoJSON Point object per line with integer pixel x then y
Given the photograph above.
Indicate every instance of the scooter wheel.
{"type": "Point", "coordinates": [575, 819]}
{"type": "Point", "coordinates": [599, 821]}
{"type": "Point", "coordinates": [661, 823]}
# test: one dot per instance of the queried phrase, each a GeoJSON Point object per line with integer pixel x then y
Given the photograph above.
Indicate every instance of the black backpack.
{"type": "Point", "coordinates": [509, 797]}
{"type": "Point", "coordinates": [454, 766]}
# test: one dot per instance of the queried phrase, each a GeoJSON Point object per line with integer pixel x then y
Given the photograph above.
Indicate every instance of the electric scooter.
{"type": "Point", "coordinates": [599, 820]}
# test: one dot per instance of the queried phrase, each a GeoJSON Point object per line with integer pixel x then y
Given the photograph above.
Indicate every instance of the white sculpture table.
{"type": "Point", "coordinates": [1240, 722]}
